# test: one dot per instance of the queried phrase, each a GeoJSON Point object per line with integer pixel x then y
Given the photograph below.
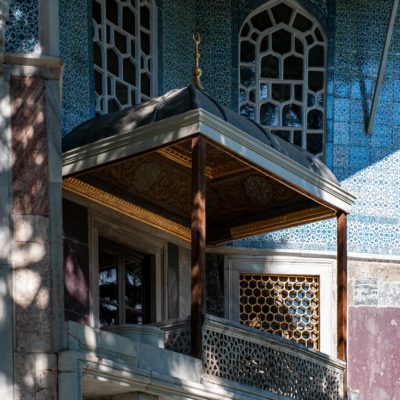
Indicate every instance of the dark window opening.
{"type": "Point", "coordinates": [124, 285]}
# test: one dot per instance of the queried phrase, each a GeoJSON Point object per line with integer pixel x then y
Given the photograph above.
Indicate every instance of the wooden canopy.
{"type": "Point", "coordinates": [143, 170]}
{"type": "Point", "coordinates": [186, 165]}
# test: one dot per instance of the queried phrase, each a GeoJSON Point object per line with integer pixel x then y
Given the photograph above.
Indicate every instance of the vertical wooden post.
{"type": "Point", "coordinates": [198, 232]}
{"type": "Point", "coordinates": [342, 291]}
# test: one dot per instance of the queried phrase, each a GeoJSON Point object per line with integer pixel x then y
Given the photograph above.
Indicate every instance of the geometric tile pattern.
{"type": "Point", "coordinates": [78, 102]}
{"type": "Point", "coordinates": [22, 29]}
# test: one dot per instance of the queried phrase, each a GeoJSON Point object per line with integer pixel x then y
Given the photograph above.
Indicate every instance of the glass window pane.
{"type": "Point", "coordinates": [282, 41]}
{"type": "Point", "coordinates": [261, 21]}
{"type": "Point", "coordinates": [285, 135]}
{"type": "Point", "coordinates": [302, 23]}
{"type": "Point", "coordinates": [120, 42]}
{"type": "Point", "coordinates": [316, 56]}
{"type": "Point", "coordinates": [145, 17]}
{"type": "Point", "coordinates": [315, 80]}
{"type": "Point", "coordinates": [134, 284]}
{"type": "Point", "coordinates": [108, 277]}
{"type": "Point", "coordinates": [263, 91]}
{"type": "Point", "coordinates": [297, 138]}
{"type": "Point", "coordinates": [128, 18]}
{"type": "Point", "coordinates": [282, 13]}
{"type": "Point", "coordinates": [298, 92]}
{"type": "Point", "coordinates": [248, 76]}
{"type": "Point", "coordinates": [108, 314]}
{"type": "Point", "coordinates": [293, 68]}
{"type": "Point", "coordinates": [281, 92]}
{"type": "Point", "coordinates": [264, 46]}
{"type": "Point", "coordinates": [112, 11]}
{"type": "Point", "coordinates": [145, 42]}
{"type": "Point", "coordinates": [248, 111]}
{"type": "Point", "coordinates": [291, 116]}
{"type": "Point", "coordinates": [121, 92]}
{"type": "Point", "coordinates": [247, 52]}
{"type": "Point", "coordinates": [314, 143]}
{"type": "Point", "coordinates": [298, 46]}
{"type": "Point", "coordinates": [314, 119]}
{"type": "Point", "coordinates": [129, 72]}
{"type": "Point", "coordinates": [112, 62]}
{"type": "Point", "coordinates": [269, 67]}
{"type": "Point", "coordinates": [269, 114]}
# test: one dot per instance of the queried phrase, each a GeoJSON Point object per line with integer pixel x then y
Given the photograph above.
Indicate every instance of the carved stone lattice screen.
{"type": "Point", "coordinates": [282, 73]}
{"type": "Point", "coordinates": [177, 335]}
{"type": "Point", "coordinates": [264, 361]}
{"type": "Point", "coordinates": [123, 53]}
{"type": "Point", "coordinates": [287, 306]}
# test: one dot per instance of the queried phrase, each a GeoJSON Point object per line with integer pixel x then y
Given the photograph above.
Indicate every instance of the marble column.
{"type": "Point", "coordinates": [35, 210]}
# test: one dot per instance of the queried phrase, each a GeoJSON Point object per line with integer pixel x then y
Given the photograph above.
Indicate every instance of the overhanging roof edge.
{"type": "Point", "coordinates": [178, 127]}
{"type": "Point", "coordinates": [275, 162]}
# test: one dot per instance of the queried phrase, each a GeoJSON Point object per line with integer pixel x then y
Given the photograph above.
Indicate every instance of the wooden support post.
{"type": "Point", "coordinates": [342, 291]}
{"type": "Point", "coordinates": [198, 243]}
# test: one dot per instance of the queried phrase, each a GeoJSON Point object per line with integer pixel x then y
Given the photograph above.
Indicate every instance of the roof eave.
{"type": "Point", "coordinates": [182, 126]}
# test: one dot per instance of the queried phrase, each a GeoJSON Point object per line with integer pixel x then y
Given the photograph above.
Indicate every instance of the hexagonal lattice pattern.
{"type": "Point", "coordinates": [123, 53]}
{"type": "Point", "coordinates": [281, 46]}
{"type": "Point", "coordinates": [287, 306]}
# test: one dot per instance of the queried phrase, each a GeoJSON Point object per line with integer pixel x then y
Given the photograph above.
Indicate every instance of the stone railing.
{"type": "Point", "coordinates": [247, 356]}
{"type": "Point", "coordinates": [237, 353]}
{"type": "Point", "coordinates": [177, 335]}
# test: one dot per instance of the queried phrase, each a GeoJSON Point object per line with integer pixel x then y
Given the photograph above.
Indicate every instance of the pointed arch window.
{"type": "Point", "coordinates": [124, 53]}
{"type": "Point", "coordinates": [282, 60]}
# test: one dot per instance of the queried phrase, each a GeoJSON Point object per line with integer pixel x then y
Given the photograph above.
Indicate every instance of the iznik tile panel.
{"type": "Point", "coordinates": [22, 29]}
{"type": "Point", "coordinates": [78, 104]}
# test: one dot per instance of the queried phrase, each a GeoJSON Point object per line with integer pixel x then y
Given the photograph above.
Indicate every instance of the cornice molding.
{"type": "Point", "coordinates": [287, 221]}
{"type": "Point", "coordinates": [127, 208]}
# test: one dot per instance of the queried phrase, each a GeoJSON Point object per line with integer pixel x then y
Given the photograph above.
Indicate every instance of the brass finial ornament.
{"type": "Point", "coordinates": [196, 69]}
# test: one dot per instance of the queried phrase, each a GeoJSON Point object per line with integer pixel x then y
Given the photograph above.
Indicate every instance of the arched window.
{"type": "Point", "coordinates": [282, 73]}
{"type": "Point", "coordinates": [124, 53]}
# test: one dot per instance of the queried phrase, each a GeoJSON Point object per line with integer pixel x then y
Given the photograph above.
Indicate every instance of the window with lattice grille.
{"type": "Point", "coordinates": [124, 54]}
{"type": "Point", "coordinates": [283, 305]}
{"type": "Point", "coordinates": [282, 73]}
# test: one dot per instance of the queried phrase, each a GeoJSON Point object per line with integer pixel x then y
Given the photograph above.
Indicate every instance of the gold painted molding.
{"type": "Point", "coordinates": [211, 173]}
{"type": "Point", "coordinates": [124, 207]}
{"type": "Point", "coordinates": [286, 221]}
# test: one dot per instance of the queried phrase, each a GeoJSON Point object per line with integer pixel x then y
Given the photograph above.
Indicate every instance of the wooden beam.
{"type": "Point", "coordinates": [198, 233]}
{"type": "Point", "coordinates": [342, 290]}
{"type": "Point", "coordinates": [382, 66]}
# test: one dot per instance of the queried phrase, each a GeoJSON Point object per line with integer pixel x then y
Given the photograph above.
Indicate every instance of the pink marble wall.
{"type": "Point", "coordinates": [35, 361]}
{"type": "Point", "coordinates": [374, 352]}
{"type": "Point", "coordinates": [29, 145]}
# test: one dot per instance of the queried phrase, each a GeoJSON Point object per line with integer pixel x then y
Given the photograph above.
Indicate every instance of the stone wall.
{"type": "Point", "coordinates": [373, 331]}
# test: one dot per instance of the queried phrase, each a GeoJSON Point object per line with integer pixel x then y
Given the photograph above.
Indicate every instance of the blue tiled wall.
{"type": "Point", "coordinates": [175, 29]}
{"type": "Point", "coordinates": [78, 103]}
{"type": "Point", "coordinates": [22, 28]}
{"type": "Point", "coordinates": [368, 166]}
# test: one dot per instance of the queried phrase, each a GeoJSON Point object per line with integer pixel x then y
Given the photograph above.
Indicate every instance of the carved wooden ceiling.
{"type": "Point", "coordinates": [156, 188]}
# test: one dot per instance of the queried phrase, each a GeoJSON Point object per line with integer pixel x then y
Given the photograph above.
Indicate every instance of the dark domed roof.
{"type": "Point", "coordinates": [177, 102]}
